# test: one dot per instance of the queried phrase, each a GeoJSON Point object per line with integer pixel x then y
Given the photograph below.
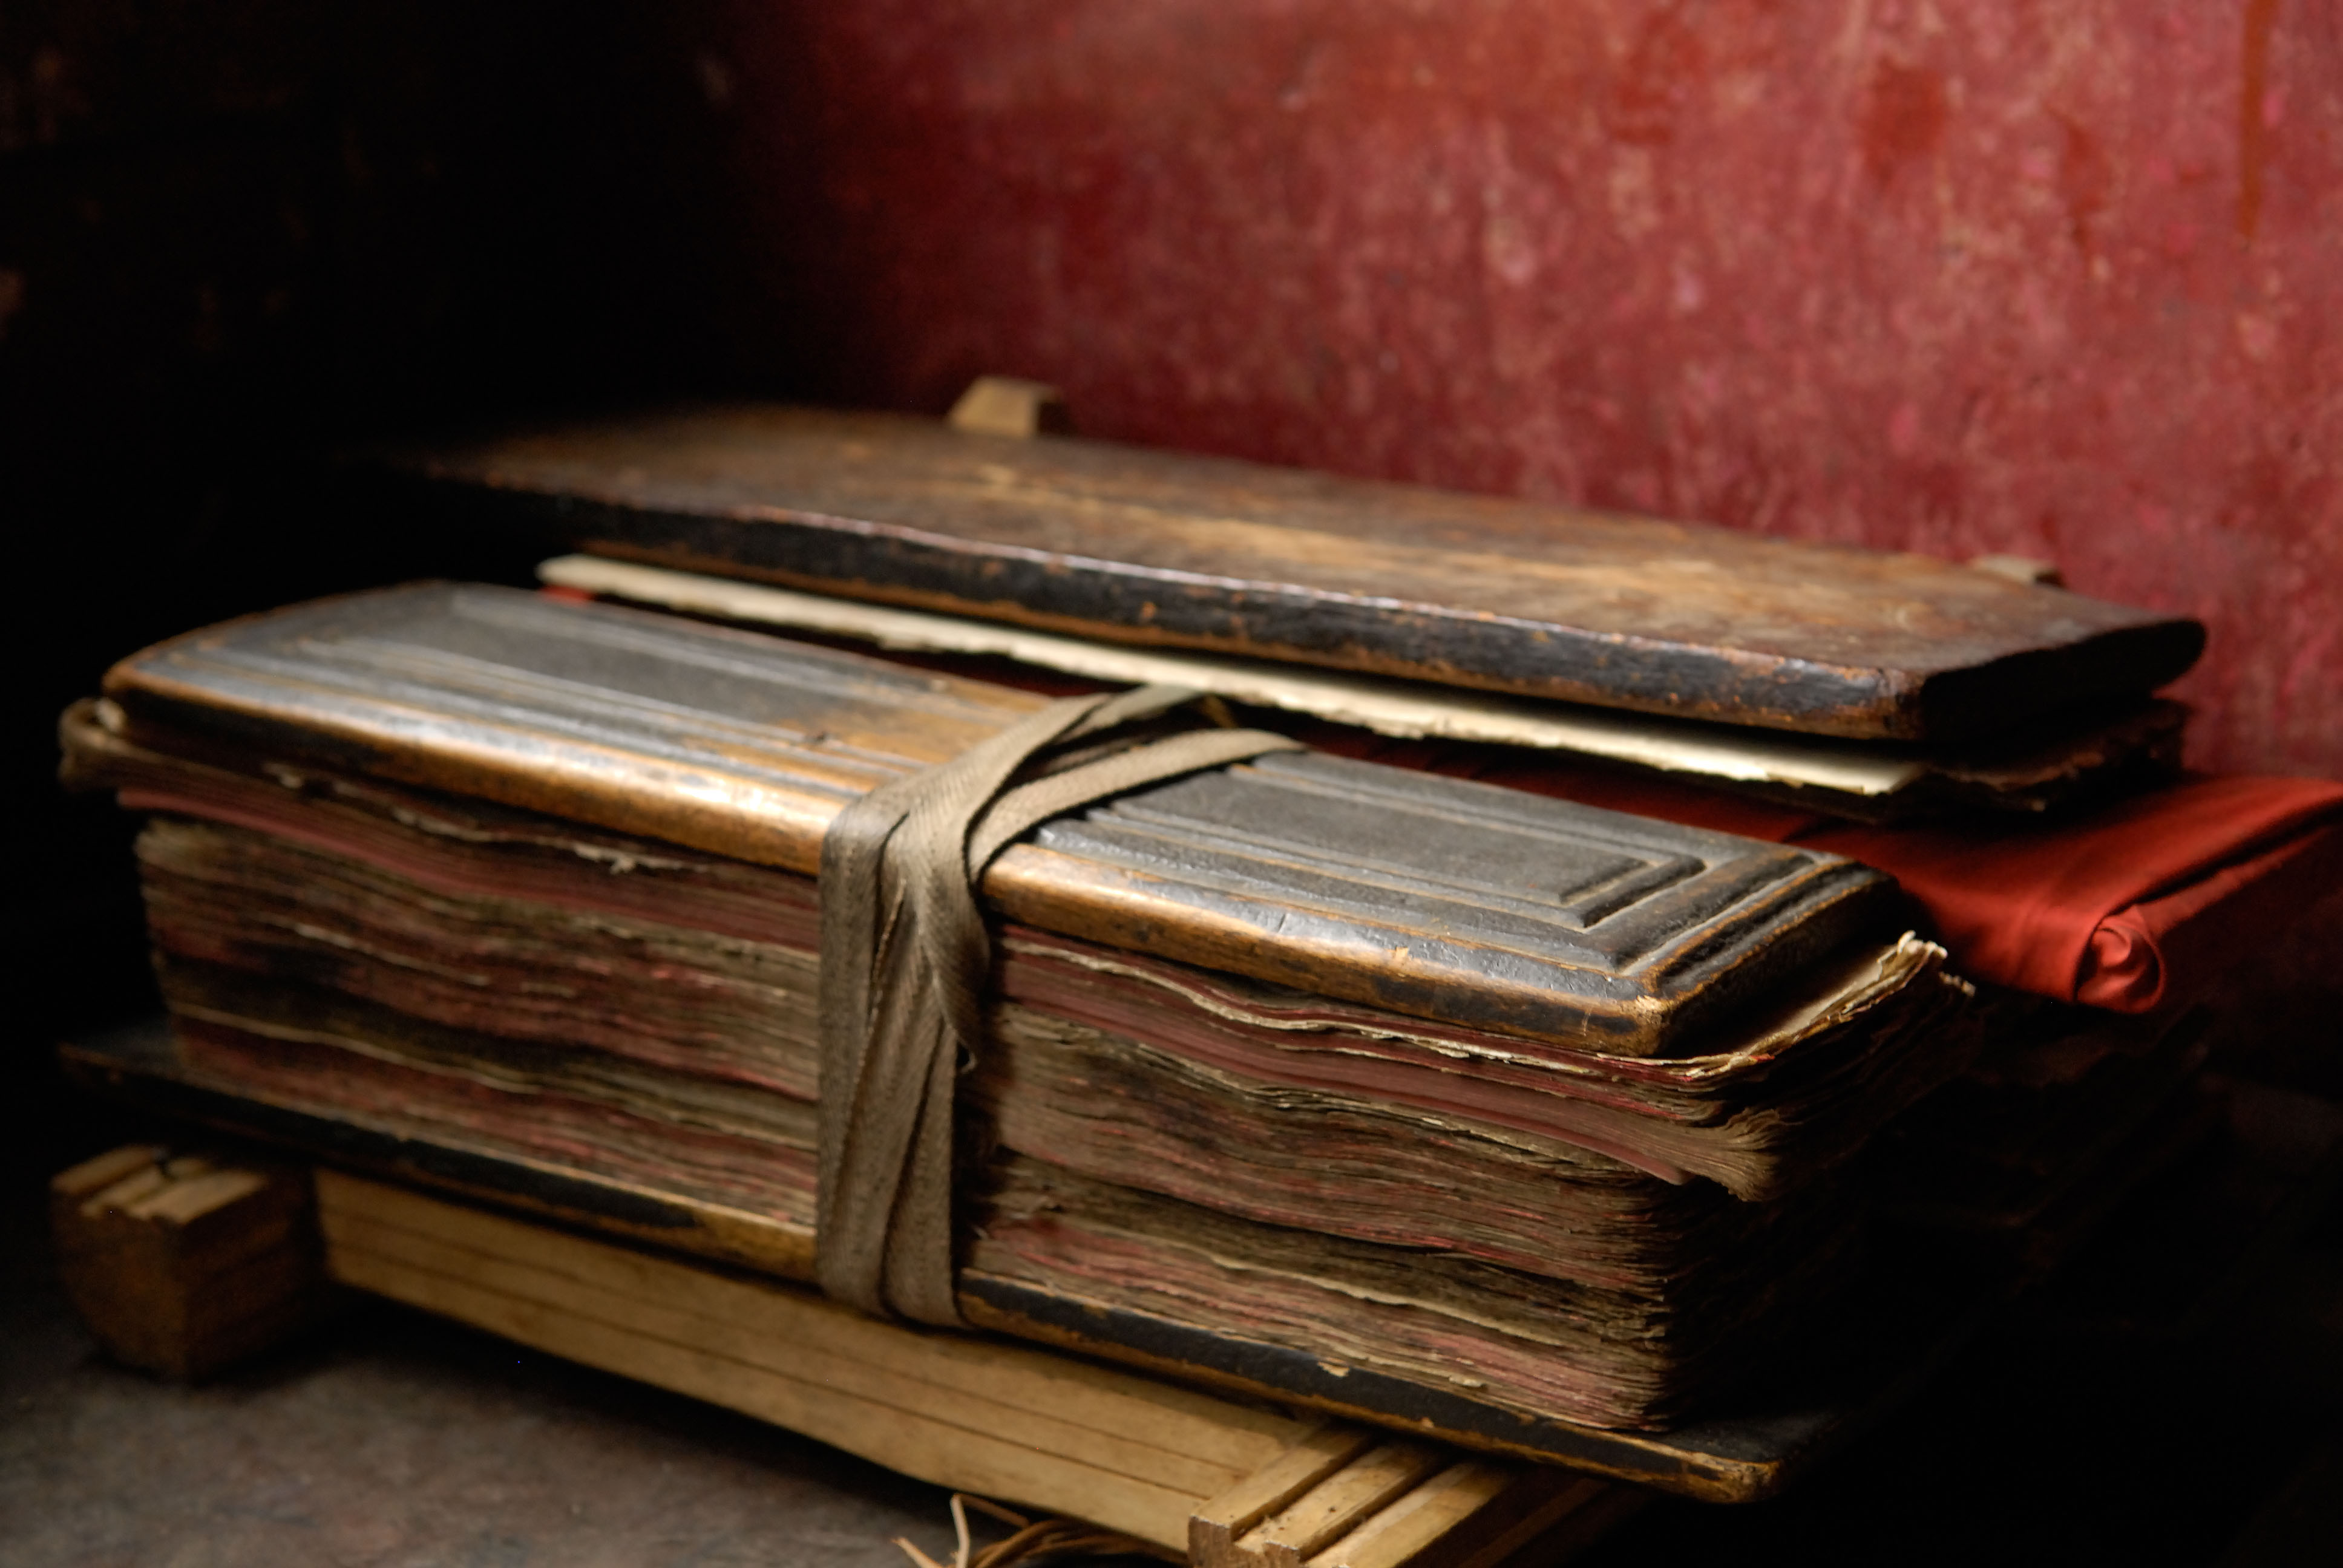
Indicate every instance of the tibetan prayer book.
{"type": "Point", "coordinates": [1477, 1099]}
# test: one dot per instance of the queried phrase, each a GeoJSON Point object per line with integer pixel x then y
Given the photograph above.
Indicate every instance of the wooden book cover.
{"type": "Point", "coordinates": [1145, 546]}
{"type": "Point", "coordinates": [1432, 896]}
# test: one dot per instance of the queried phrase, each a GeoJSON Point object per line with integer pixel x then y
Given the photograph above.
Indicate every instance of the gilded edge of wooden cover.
{"type": "Point", "coordinates": [1434, 897]}
{"type": "Point", "coordinates": [1131, 545]}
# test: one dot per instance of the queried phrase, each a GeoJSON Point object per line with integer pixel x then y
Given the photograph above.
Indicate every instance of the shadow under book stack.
{"type": "Point", "coordinates": [1360, 1086]}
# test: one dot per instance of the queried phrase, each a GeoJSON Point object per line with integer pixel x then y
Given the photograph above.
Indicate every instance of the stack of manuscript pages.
{"type": "Point", "coordinates": [1300, 1071]}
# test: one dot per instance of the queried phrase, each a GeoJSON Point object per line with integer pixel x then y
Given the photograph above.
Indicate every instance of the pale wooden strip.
{"type": "Point", "coordinates": [100, 1171]}
{"type": "Point", "coordinates": [1227, 1433]}
{"type": "Point", "coordinates": [1319, 1453]}
{"type": "Point", "coordinates": [1343, 1500]}
{"type": "Point", "coordinates": [928, 1450]}
{"type": "Point", "coordinates": [142, 1183]}
{"type": "Point", "coordinates": [1400, 1532]}
{"type": "Point", "coordinates": [891, 1381]}
{"type": "Point", "coordinates": [183, 1203]}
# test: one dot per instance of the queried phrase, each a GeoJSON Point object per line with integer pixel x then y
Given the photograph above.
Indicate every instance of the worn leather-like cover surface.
{"type": "Point", "coordinates": [1435, 897]}
{"type": "Point", "coordinates": [1138, 546]}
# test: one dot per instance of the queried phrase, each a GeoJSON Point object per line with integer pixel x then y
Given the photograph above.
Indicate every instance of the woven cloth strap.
{"type": "Point", "coordinates": [905, 958]}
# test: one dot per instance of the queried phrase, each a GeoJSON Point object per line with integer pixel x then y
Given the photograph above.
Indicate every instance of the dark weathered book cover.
{"type": "Point", "coordinates": [1138, 546]}
{"type": "Point", "coordinates": [1434, 897]}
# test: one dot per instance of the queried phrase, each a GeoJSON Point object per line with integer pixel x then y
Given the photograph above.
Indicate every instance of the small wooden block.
{"type": "Point", "coordinates": [1344, 1503]}
{"type": "Point", "coordinates": [1005, 406]}
{"type": "Point", "coordinates": [1415, 1523]}
{"type": "Point", "coordinates": [183, 1264]}
{"type": "Point", "coordinates": [1214, 1530]}
{"type": "Point", "coordinates": [2021, 569]}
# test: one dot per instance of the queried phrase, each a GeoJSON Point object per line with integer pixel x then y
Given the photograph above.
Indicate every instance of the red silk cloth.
{"type": "Point", "coordinates": [2147, 899]}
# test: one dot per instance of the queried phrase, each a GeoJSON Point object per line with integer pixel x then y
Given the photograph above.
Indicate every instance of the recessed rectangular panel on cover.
{"type": "Point", "coordinates": [1128, 545]}
{"type": "Point", "coordinates": [1462, 878]}
{"type": "Point", "coordinates": [1434, 897]}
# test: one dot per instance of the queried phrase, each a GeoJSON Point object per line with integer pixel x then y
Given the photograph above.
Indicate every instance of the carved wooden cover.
{"type": "Point", "coordinates": [1136, 545]}
{"type": "Point", "coordinates": [1434, 897]}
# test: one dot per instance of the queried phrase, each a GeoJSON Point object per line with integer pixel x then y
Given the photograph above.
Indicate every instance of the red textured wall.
{"type": "Point", "coordinates": [2055, 279]}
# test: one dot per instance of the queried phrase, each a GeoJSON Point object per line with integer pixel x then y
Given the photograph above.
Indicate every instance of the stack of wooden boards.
{"type": "Point", "coordinates": [162, 1249]}
{"type": "Point", "coordinates": [183, 1263]}
{"type": "Point", "coordinates": [1398, 1094]}
{"type": "Point", "coordinates": [1229, 1484]}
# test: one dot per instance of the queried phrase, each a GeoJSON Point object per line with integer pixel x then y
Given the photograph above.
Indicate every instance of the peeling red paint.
{"type": "Point", "coordinates": [1956, 279]}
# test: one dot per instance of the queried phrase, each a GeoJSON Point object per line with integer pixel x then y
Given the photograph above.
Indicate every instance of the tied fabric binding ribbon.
{"type": "Point", "coordinates": [905, 960]}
